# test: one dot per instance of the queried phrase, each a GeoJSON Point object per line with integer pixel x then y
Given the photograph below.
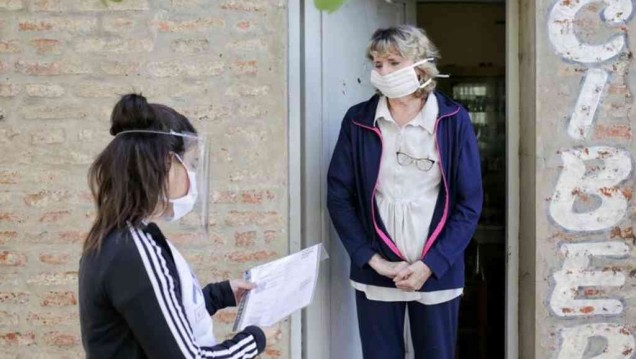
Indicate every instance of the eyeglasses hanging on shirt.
{"type": "Point", "coordinates": [422, 164]}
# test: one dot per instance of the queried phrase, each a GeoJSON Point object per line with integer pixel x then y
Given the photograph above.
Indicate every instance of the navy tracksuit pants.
{"type": "Point", "coordinates": [381, 324]}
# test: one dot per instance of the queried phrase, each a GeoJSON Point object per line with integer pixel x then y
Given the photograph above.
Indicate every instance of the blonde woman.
{"type": "Point", "coordinates": [405, 195]}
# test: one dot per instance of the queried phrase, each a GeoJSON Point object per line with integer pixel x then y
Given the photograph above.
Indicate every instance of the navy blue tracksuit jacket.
{"type": "Point", "coordinates": [352, 181]}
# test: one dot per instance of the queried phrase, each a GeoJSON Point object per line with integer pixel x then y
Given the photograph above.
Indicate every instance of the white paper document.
{"type": "Point", "coordinates": [283, 286]}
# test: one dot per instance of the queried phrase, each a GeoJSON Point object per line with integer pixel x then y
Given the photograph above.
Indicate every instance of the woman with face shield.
{"type": "Point", "coordinates": [138, 297]}
{"type": "Point", "coordinates": [405, 195]}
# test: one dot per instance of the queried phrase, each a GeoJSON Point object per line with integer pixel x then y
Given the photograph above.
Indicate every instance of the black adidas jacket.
{"type": "Point", "coordinates": [128, 311]}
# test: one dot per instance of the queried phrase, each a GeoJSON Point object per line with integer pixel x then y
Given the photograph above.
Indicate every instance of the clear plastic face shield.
{"type": "Point", "coordinates": [186, 214]}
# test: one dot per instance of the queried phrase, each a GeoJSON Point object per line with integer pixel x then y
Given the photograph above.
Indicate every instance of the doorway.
{"type": "Point", "coordinates": [473, 52]}
{"type": "Point", "coordinates": [329, 73]}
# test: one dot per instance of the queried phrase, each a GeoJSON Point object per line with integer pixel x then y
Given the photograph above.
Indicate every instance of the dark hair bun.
{"type": "Point", "coordinates": [132, 112]}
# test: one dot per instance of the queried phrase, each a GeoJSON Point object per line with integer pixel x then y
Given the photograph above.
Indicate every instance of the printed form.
{"type": "Point", "coordinates": [283, 286]}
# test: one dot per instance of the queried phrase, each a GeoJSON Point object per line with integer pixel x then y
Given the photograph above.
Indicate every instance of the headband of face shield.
{"type": "Point", "coordinates": [190, 211]}
{"type": "Point", "coordinates": [402, 82]}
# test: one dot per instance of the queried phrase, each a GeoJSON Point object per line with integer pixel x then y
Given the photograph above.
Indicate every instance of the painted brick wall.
{"type": "Point", "coordinates": [585, 260]}
{"type": "Point", "coordinates": [62, 65]}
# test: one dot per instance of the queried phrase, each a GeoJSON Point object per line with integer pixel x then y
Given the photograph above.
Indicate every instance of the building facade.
{"type": "Point", "coordinates": [268, 82]}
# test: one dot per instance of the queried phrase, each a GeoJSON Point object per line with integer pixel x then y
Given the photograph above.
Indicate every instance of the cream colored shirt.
{"type": "Point", "coordinates": [406, 195]}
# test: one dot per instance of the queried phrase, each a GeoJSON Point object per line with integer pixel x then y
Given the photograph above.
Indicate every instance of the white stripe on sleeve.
{"type": "Point", "coordinates": [164, 289]}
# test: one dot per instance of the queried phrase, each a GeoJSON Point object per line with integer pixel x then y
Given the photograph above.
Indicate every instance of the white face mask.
{"type": "Point", "coordinates": [400, 83]}
{"type": "Point", "coordinates": [183, 205]}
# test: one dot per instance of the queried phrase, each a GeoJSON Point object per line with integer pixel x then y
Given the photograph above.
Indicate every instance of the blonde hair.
{"type": "Point", "coordinates": [409, 42]}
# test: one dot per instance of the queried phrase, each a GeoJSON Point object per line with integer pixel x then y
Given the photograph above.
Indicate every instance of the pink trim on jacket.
{"type": "Point", "coordinates": [382, 235]}
{"type": "Point", "coordinates": [433, 237]}
{"type": "Point", "coordinates": [438, 229]}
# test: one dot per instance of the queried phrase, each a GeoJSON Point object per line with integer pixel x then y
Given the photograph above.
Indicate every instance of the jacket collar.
{"type": "Point", "coordinates": [425, 119]}
{"type": "Point", "coordinates": [366, 112]}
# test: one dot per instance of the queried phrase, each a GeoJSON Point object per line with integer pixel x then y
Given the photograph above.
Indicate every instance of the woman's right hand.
{"type": "Point", "coordinates": [386, 268]}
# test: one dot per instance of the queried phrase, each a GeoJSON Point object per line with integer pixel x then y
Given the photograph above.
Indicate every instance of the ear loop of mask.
{"type": "Point", "coordinates": [186, 167]}
{"type": "Point", "coordinates": [178, 158]}
{"type": "Point", "coordinates": [427, 82]}
{"type": "Point", "coordinates": [428, 59]}
{"type": "Point", "coordinates": [431, 79]}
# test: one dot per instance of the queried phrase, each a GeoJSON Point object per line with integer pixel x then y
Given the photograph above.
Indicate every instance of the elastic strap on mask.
{"type": "Point", "coordinates": [426, 83]}
{"type": "Point", "coordinates": [431, 79]}
{"type": "Point", "coordinates": [180, 159]}
{"type": "Point", "coordinates": [428, 59]}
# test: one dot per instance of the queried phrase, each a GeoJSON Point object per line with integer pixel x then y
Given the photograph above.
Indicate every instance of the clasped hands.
{"type": "Point", "coordinates": [407, 277]}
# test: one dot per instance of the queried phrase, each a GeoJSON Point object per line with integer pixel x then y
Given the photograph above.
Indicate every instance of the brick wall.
{"type": "Point", "coordinates": [62, 65]}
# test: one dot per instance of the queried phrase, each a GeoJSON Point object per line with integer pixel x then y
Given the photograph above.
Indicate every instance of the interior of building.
{"type": "Point", "coordinates": [471, 38]}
